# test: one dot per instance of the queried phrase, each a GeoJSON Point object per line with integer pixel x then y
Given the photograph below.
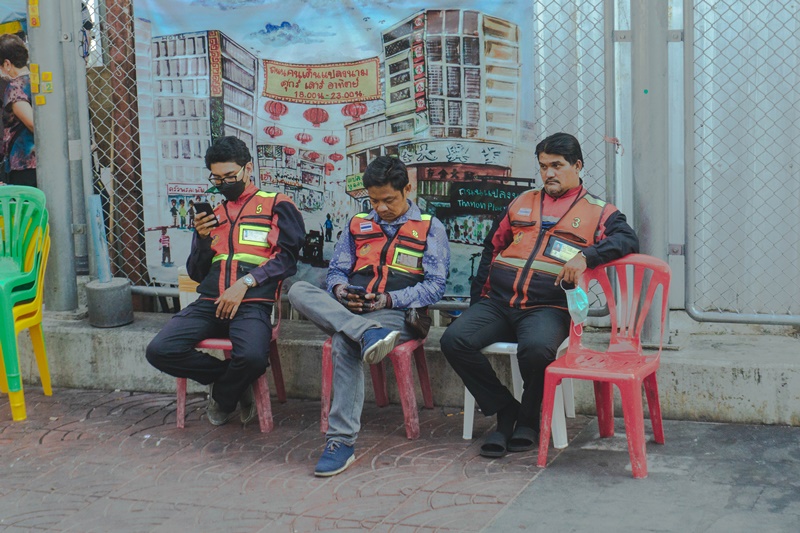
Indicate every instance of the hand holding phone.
{"type": "Point", "coordinates": [205, 209]}
{"type": "Point", "coordinates": [356, 289]}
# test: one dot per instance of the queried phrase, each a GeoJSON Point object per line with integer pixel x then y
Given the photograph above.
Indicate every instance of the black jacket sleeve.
{"type": "Point", "coordinates": [198, 264]}
{"type": "Point", "coordinates": [620, 240]}
{"type": "Point", "coordinates": [492, 245]}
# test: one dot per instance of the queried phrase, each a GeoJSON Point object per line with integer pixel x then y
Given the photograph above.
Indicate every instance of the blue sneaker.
{"type": "Point", "coordinates": [376, 343]}
{"type": "Point", "coordinates": [334, 459]}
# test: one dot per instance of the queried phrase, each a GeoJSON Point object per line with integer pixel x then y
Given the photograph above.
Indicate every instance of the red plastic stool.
{"type": "Point", "coordinates": [401, 361]}
{"type": "Point", "coordinates": [260, 386]}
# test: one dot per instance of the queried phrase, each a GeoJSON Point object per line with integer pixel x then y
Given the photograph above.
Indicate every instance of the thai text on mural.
{"type": "Point", "coordinates": [482, 197]}
{"type": "Point", "coordinates": [354, 182]}
{"type": "Point", "coordinates": [186, 188]}
{"type": "Point", "coordinates": [329, 83]}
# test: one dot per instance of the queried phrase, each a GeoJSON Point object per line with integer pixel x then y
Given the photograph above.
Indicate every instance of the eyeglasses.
{"type": "Point", "coordinates": [216, 180]}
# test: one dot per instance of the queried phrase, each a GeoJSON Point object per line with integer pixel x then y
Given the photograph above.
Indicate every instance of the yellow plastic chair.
{"type": "Point", "coordinates": [28, 315]}
{"type": "Point", "coordinates": [23, 219]}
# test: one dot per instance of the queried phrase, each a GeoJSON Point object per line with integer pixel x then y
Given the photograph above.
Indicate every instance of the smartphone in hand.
{"type": "Point", "coordinates": [356, 289]}
{"type": "Point", "coordinates": [206, 209]}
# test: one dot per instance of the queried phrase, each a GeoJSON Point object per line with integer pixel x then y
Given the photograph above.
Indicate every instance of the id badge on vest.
{"type": "Point", "coordinates": [561, 250]}
{"type": "Point", "coordinates": [407, 259]}
{"type": "Point", "coordinates": [253, 235]}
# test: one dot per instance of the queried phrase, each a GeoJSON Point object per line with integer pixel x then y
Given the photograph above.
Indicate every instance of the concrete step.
{"type": "Point", "coordinates": [720, 377]}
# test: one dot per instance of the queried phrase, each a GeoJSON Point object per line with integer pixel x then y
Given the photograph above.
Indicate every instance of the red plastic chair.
{"type": "Point", "coordinates": [622, 364]}
{"type": "Point", "coordinates": [401, 361]}
{"type": "Point", "coordinates": [260, 386]}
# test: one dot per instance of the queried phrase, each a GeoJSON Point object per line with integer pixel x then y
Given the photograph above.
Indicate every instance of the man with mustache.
{"type": "Point", "coordinates": [545, 236]}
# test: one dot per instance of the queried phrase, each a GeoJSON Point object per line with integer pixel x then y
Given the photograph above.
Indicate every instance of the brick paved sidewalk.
{"type": "Point", "coordinates": [114, 461]}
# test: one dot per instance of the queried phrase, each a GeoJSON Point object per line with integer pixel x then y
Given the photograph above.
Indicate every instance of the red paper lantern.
{"type": "Point", "coordinates": [288, 150]}
{"type": "Point", "coordinates": [335, 157]}
{"type": "Point", "coordinates": [330, 139]}
{"type": "Point", "coordinates": [312, 156]}
{"type": "Point", "coordinates": [303, 137]}
{"type": "Point", "coordinates": [316, 116]}
{"type": "Point", "coordinates": [355, 110]}
{"type": "Point", "coordinates": [275, 109]}
{"type": "Point", "coordinates": [328, 168]}
{"type": "Point", "coordinates": [273, 131]}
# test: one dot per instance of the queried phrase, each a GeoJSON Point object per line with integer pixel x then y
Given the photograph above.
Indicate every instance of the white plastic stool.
{"type": "Point", "coordinates": [564, 402]}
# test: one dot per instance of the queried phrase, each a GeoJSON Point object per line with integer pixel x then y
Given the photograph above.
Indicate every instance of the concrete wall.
{"type": "Point", "coordinates": [721, 377]}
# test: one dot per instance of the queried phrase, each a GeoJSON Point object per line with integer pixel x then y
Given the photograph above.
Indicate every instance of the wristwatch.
{"type": "Point", "coordinates": [249, 280]}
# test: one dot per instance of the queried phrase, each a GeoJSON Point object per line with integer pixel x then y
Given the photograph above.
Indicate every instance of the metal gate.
{"type": "Point", "coordinates": [742, 139]}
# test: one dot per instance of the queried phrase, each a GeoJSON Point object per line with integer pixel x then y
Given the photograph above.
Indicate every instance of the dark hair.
{"type": "Point", "coordinates": [386, 170]}
{"type": "Point", "coordinates": [562, 144]}
{"type": "Point", "coordinates": [227, 149]}
{"type": "Point", "coordinates": [13, 48]}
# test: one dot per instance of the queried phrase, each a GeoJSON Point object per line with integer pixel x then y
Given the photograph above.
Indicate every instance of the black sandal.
{"type": "Point", "coordinates": [494, 445]}
{"type": "Point", "coordinates": [523, 439]}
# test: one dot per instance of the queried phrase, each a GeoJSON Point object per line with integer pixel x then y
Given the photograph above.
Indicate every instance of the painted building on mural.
{"type": "Point", "coordinates": [438, 88]}
{"type": "Point", "coordinates": [298, 173]}
{"type": "Point", "coordinates": [451, 89]}
{"type": "Point", "coordinates": [192, 88]}
{"type": "Point", "coordinates": [204, 87]}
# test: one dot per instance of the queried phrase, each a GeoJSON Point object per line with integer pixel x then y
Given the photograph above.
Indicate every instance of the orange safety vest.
{"type": "Point", "coordinates": [388, 264]}
{"type": "Point", "coordinates": [244, 243]}
{"type": "Point", "coordinates": [524, 272]}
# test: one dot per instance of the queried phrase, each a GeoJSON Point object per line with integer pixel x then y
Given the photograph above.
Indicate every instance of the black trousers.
{"type": "Point", "coordinates": [173, 350]}
{"type": "Point", "coordinates": [538, 333]}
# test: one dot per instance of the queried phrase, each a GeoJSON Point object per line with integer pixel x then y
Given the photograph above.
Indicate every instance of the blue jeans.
{"type": "Point", "coordinates": [346, 329]}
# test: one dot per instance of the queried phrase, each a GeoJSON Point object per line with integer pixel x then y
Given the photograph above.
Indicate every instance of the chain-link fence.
{"type": "Point", "coordinates": [744, 180]}
{"type": "Point", "coordinates": [115, 147]}
{"type": "Point", "coordinates": [570, 88]}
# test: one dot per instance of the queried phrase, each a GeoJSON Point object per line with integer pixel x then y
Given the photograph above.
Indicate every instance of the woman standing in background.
{"type": "Point", "coordinates": [18, 147]}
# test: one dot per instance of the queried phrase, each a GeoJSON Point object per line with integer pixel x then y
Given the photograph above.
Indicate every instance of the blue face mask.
{"type": "Point", "coordinates": [578, 304]}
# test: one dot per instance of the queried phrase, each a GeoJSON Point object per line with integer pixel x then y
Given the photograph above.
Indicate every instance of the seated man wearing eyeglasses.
{"type": "Point", "coordinates": [240, 254]}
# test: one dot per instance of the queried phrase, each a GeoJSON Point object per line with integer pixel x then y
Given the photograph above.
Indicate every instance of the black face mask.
{"type": "Point", "coordinates": [231, 191]}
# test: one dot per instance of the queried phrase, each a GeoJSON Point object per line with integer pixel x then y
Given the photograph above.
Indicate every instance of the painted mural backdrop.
{"type": "Point", "coordinates": [319, 88]}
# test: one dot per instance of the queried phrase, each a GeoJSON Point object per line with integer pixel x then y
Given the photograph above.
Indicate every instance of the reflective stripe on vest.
{"type": "Point", "coordinates": [247, 258]}
{"type": "Point", "coordinates": [254, 235]}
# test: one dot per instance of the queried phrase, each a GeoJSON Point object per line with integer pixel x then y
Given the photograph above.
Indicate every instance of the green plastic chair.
{"type": "Point", "coordinates": [28, 315]}
{"type": "Point", "coordinates": [23, 222]}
